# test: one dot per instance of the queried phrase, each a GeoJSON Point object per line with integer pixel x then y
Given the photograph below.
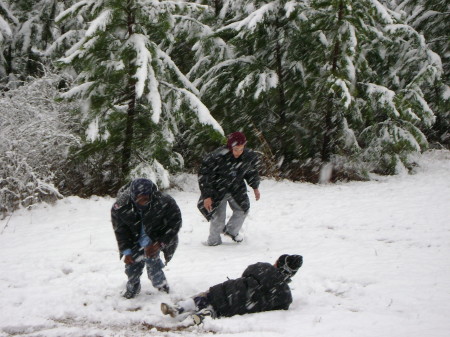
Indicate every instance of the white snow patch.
{"type": "Point", "coordinates": [252, 20]}
{"type": "Point", "coordinates": [347, 97]}
{"type": "Point", "coordinates": [382, 11]}
{"type": "Point", "coordinates": [92, 130]}
{"type": "Point", "coordinates": [79, 90]}
{"type": "Point", "coordinates": [385, 96]}
{"type": "Point", "coordinates": [5, 30]}
{"type": "Point", "coordinates": [446, 92]}
{"type": "Point", "coordinates": [375, 262]}
{"type": "Point", "coordinates": [99, 23]}
{"type": "Point", "coordinates": [142, 61]}
{"type": "Point", "coordinates": [71, 10]}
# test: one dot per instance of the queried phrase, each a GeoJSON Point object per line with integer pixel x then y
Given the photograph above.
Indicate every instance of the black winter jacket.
{"type": "Point", "coordinates": [261, 288]}
{"type": "Point", "coordinates": [162, 221]}
{"type": "Point", "coordinates": [222, 173]}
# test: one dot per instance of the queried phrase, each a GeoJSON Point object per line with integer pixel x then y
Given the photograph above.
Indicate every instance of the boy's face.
{"type": "Point", "coordinates": [142, 200]}
{"type": "Point", "coordinates": [238, 150]}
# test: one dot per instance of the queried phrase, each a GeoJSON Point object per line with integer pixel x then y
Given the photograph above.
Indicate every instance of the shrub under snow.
{"type": "Point", "coordinates": [34, 143]}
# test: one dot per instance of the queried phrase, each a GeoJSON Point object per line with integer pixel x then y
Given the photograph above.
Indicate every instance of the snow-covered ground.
{"type": "Point", "coordinates": [376, 262]}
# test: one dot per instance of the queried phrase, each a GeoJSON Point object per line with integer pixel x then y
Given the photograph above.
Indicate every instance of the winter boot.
{"type": "Point", "coordinates": [132, 291]}
{"type": "Point", "coordinates": [171, 310]}
{"type": "Point", "coordinates": [199, 316]}
{"type": "Point", "coordinates": [165, 288]}
{"type": "Point", "coordinates": [236, 238]}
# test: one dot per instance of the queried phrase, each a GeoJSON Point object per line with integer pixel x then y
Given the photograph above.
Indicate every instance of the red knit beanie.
{"type": "Point", "coordinates": [236, 138]}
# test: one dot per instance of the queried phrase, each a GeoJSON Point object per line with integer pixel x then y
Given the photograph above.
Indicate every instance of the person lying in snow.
{"type": "Point", "coordinates": [262, 287]}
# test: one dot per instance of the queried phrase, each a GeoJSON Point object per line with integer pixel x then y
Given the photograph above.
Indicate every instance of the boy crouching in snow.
{"type": "Point", "coordinates": [262, 287]}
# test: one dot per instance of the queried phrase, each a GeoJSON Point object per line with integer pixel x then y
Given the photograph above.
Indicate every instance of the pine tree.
{"type": "Point", "coordinates": [241, 72]}
{"type": "Point", "coordinates": [431, 18]}
{"type": "Point", "coordinates": [136, 96]}
{"type": "Point", "coordinates": [33, 31]}
{"type": "Point", "coordinates": [329, 82]}
{"type": "Point", "coordinates": [7, 19]}
{"type": "Point", "coordinates": [376, 67]}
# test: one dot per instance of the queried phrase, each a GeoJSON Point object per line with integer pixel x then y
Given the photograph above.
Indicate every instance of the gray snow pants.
{"type": "Point", "coordinates": [217, 224]}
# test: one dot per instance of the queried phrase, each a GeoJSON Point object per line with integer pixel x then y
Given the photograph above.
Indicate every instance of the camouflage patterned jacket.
{"type": "Point", "coordinates": [161, 221]}
{"type": "Point", "coordinates": [221, 173]}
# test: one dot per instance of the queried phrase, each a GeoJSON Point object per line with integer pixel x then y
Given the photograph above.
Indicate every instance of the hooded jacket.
{"type": "Point", "coordinates": [262, 287]}
{"type": "Point", "coordinates": [222, 173]}
{"type": "Point", "coordinates": [161, 221]}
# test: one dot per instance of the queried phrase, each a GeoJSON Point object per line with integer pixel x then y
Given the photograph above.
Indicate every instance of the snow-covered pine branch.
{"type": "Point", "coordinates": [203, 114]}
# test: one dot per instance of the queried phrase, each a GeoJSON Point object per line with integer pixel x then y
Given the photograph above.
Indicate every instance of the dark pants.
{"type": "Point", "coordinates": [154, 272]}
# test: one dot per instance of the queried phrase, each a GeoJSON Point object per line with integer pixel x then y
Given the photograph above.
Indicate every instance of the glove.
{"type": "Point", "coordinates": [152, 250]}
{"type": "Point", "coordinates": [128, 259]}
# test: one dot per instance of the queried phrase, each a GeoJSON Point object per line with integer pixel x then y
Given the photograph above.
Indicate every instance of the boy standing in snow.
{"type": "Point", "coordinates": [262, 287]}
{"type": "Point", "coordinates": [145, 221]}
{"type": "Point", "coordinates": [222, 178]}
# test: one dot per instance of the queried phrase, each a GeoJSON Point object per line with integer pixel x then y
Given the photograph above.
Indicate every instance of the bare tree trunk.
{"type": "Point", "coordinates": [281, 128]}
{"type": "Point", "coordinates": [281, 80]}
{"type": "Point", "coordinates": [131, 111]}
{"type": "Point", "coordinates": [218, 4]}
{"type": "Point", "coordinates": [327, 146]}
{"type": "Point", "coordinates": [9, 61]}
{"type": "Point", "coordinates": [271, 167]}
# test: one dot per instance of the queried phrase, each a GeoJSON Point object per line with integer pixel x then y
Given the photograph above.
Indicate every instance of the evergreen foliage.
{"type": "Point", "coordinates": [431, 18]}
{"type": "Point", "coordinates": [33, 30]}
{"type": "Point", "coordinates": [324, 89]}
{"type": "Point", "coordinates": [7, 20]}
{"type": "Point", "coordinates": [136, 96]}
{"type": "Point", "coordinates": [324, 81]}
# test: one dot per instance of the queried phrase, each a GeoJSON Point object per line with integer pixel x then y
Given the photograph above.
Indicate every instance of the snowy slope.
{"type": "Point", "coordinates": [376, 262]}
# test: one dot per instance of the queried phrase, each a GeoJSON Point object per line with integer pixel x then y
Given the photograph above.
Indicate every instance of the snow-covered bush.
{"type": "Point", "coordinates": [34, 143]}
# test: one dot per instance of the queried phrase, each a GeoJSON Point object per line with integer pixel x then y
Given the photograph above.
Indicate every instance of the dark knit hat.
{"type": "Point", "coordinates": [289, 264]}
{"type": "Point", "coordinates": [236, 138]}
{"type": "Point", "coordinates": [141, 186]}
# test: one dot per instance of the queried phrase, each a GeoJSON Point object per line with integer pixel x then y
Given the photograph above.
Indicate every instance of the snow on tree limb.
{"type": "Point", "coordinates": [8, 14]}
{"type": "Point", "coordinates": [346, 96]}
{"type": "Point", "coordinates": [25, 31]}
{"type": "Point", "coordinates": [349, 135]}
{"type": "Point", "coordinates": [73, 52]}
{"type": "Point", "coordinates": [5, 30]}
{"type": "Point", "coordinates": [59, 41]}
{"type": "Point", "coordinates": [71, 10]}
{"type": "Point", "coordinates": [145, 75]}
{"type": "Point", "coordinates": [99, 23]}
{"type": "Point", "coordinates": [203, 114]}
{"type": "Point", "coordinates": [183, 79]}
{"type": "Point", "coordinates": [205, 29]}
{"type": "Point", "coordinates": [428, 117]}
{"type": "Point", "coordinates": [252, 20]}
{"type": "Point", "coordinates": [290, 7]}
{"type": "Point", "coordinates": [265, 81]}
{"type": "Point", "coordinates": [424, 16]}
{"type": "Point", "coordinates": [382, 11]}
{"type": "Point", "coordinates": [385, 97]}
{"type": "Point", "coordinates": [221, 65]}
{"type": "Point", "coordinates": [143, 58]}
{"type": "Point", "coordinates": [396, 28]}
{"type": "Point", "coordinates": [79, 90]}
{"type": "Point", "coordinates": [174, 4]}
{"type": "Point", "coordinates": [92, 131]}
{"type": "Point", "coordinates": [153, 96]}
